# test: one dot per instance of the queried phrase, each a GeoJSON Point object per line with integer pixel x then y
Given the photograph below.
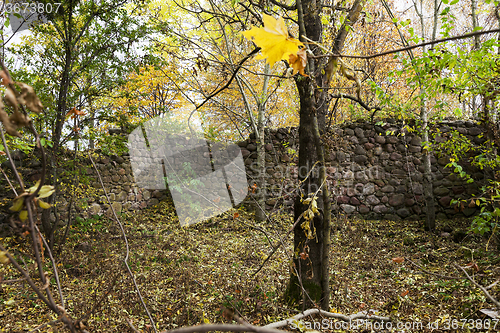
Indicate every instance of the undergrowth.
{"type": "Point", "coordinates": [190, 275]}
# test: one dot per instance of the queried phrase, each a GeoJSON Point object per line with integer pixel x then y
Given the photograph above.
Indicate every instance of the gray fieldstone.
{"type": "Point", "coordinates": [387, 189]}
{"type": "Point", "coordinates": [360, 159]}
{"type": "Point", "coordinates": [359, 132]}
{"type": "Point", "coordinates": [391, 139]}
{"type": "Point", "coordinates": [372, 200]}
{"type": "Point", "coordinates": [380, 139]}
{"type": "Point", "coordinates": [440, 191]}
{"type": "Point", "coordinates": [368, 189]}
{"type": "Point", "coordinates": [363, 209]}
{"type": "Point", "coordinates": [397, 200]}
{"type": "Point", "coordinates": [380, 209]}
{"type": "Point", "coordinates": [359, 150]}
{"type": "Point", "coordinates": [416, 141]}
{"type": "Point", "coordinates": [403, 212]}
{"type": "Point", "coordinates": [348, 209]}
{"type": "Point", "coordinates": [117, 207]}
{"type": "Point", "coordinates": [475, 131]}
{"type": "Point", "coordinates": [95, 209]}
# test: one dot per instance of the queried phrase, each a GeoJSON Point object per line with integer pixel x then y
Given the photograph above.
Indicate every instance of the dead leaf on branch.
{"type": "Point", "coordinates": [334, 64]}
{"type": "Point", "coordinates": [473, 265]}
{"type": "Point", "coordinates": [74, 112]}
{"type": "Point", "coordinates": [10, 98]}
{"type": "Point", "coordinates": [13, 99]}
{"type": "Point", "coordinates": [274, 40]}
{"type": "Point", "coordinates": [19, 119]}
{"type": "Point", "coordinates": [298, 62]}
{"type": "Point", "coordinates": [29, 98]}
{"type": "Point", "coordinates": [10, 127]}
{"type": "Point", "coordinates": [5, 78]}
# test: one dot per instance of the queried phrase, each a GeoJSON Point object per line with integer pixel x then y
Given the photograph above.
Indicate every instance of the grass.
{"type": "Point", "coordinates": [188, 276]}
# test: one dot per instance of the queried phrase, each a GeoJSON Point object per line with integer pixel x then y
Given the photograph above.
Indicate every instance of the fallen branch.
{"type": "Point", "coordinates": [12, 281]}
{"type": "Point", "coordinates": [497, 303]}
{"type": "Point", "coordinates": [493, 284]}
{"type": "Point", "coordinates": [224, 328]}
{"type": "Point", "coordinates": [356, 316]}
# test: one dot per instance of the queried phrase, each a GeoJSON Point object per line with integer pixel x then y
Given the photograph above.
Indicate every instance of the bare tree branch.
{"type": "Point", "coordinates": [215, 93]}
{"type": "Point", "coordinates": [282, 5]}
{"type": "Point", "coordinates": [437, 41]}
{"type": "Point", "coordinates": [224, 328]}
{"type": "Point", "coordinates": [491, 298]}
{"type": "Point", "coordinates": [356, 316]}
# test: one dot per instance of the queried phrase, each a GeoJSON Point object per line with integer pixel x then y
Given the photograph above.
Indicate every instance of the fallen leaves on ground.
{"type": "Point", "coordinates": [189, 276]}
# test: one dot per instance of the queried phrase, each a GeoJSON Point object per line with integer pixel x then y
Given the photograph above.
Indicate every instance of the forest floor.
{"type": "Point", "coordinates": [188, 276]}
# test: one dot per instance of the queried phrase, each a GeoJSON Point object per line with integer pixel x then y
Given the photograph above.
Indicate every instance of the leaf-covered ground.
{"type": "Point", "coordinates": [188, 276]}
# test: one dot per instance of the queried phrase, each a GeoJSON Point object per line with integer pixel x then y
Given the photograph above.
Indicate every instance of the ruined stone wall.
{"type": "Point", "coordinates": [374, 171]}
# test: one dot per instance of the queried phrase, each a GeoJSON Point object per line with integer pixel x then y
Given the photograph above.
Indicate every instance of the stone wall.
{"type": "Point", "coordinates": [373, 170]}
{"type": "Point", "coordinates": [116, 175]}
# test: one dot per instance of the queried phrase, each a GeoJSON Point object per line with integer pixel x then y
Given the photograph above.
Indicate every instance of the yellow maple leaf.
{"type": "Point", "coordinates": [273, 39]}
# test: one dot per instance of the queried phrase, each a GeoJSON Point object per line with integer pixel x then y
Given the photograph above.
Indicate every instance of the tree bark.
{"type": "Point", "coordinates": [260, 214]}
{"type": "Point", "coordinates": [430, 215]}
{"type": "Point", "coordinates": [497, 15]}
{"type": "Point", "coordinates": [473, 6]}
{"type": "Point", "coordinates": [308, 269]}
{"type": "Point", "coordinates": [309, 280]}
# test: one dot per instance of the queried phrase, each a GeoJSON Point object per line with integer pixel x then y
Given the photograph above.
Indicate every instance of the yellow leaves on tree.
{"type": "Point", "coordinates": [308, 216]}
{"type": "Point", "coordinates": [276, 44]}
{"type": "Point", "coordinates": [19, 203]}
{"type": "Point", "coordinates": [336, 63]}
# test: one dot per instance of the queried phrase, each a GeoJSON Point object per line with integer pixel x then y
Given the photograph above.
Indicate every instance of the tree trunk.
{"type": "Point", "coordinates": [309, 259]}
{"type": "Point", "coordinates": [497, 15]}
{"type": "Point", "coordinates": [62, 101]}
{"type": "Point", "coordinates": [309, 279]}
{"type": "Point", "coordinates": [430, 215]}
{"type": "Point", "coordinates": [260, 214]}
{"type": "Point", "coordinates": [430, 206]}
{"type": "Point", "coordinates": [473, 6]}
